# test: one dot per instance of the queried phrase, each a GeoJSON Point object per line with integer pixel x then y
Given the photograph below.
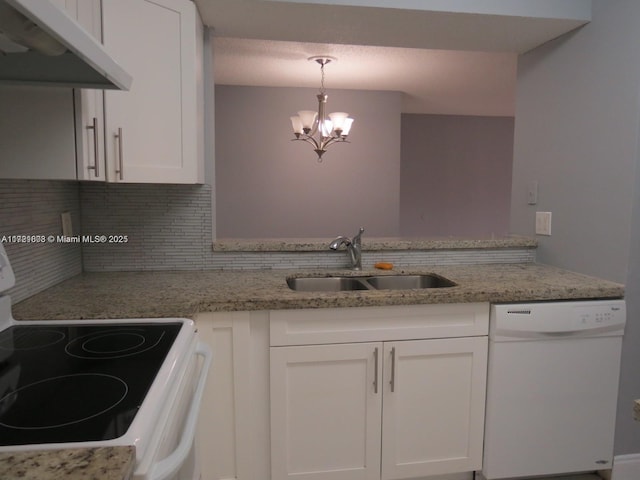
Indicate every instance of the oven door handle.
{"type": "Point", "coordinates": [171, 464]}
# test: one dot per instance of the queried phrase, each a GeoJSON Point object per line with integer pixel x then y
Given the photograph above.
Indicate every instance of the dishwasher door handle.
{"type": "Point", "coordinates": [171, 464]}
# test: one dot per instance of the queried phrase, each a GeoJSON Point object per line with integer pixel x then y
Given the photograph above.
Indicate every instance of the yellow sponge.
{"type": "Point", "coordinates": [384, 265]}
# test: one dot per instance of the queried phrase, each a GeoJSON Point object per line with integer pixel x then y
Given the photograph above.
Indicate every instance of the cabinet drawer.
{"type": "Point", "coordinates": [371, 324]}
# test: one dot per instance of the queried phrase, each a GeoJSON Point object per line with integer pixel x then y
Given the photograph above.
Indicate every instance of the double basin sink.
{"type": "Point", "coordinates": [372, 282]}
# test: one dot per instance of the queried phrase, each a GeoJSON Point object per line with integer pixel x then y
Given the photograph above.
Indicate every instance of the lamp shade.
{"type": "Point", "coordinates": [308, 118]}
{"type": "Point", "coordinates": [337, 119]}
{"type": "Point", "coordinates": [346, 126]}
{"type": "Point", "coordinates": [296, 123]}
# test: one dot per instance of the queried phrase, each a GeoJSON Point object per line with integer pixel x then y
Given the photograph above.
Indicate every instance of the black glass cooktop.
{"type": "Point", "coordinates": [67, 383]}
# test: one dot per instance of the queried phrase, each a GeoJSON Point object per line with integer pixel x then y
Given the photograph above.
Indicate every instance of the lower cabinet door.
{"type": "Point", "coordinates": [325, 412]}
{"type": "Point", "coordinates": [433, 410]}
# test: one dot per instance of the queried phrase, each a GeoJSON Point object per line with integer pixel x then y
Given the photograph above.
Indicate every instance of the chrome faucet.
{"type": "Point", "coordinates": [354, 248]}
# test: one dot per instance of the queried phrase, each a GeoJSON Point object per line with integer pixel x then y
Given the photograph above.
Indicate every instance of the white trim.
{"type": "Point", "coordinates": [626, 467]}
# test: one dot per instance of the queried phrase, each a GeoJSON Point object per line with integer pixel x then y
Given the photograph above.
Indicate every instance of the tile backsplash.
{"type": "Point", "coordinates": [31, 209]}
{"type": "Point", "coordinates": [154, 227]}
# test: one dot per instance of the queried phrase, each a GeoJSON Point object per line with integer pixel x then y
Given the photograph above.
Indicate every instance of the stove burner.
{"type": "Point", "coordinates": [88, 386]}
{"type": "Point", "coordinates": [65, 400]}
{"type": "Point", "coordinates": [103, 344]}
{"type": "Point", "coordinates": [115, 344]}
{"type": "Point", "coordinates": [31, 340]}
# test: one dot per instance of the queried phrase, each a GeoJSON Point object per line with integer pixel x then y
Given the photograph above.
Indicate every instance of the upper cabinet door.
{"type": "Point", "coordinates": [152, 131]}
{"type": "Point", "coordinates": [89, 103]}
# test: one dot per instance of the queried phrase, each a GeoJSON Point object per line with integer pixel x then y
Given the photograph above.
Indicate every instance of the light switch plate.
{"type": "Point", "coordinates": [543, 223]}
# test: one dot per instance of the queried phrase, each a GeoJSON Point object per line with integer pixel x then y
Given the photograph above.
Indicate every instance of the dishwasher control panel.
{"type": "Point", "coordinates": [558, 318]}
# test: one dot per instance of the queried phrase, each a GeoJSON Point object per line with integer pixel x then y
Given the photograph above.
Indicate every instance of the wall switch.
{"type": "Point", "coordinates": [543, 223]}
{"type": "Point", "coordinates": [532, 193]}
{"type": "Point", "coordinates": [67, 227]}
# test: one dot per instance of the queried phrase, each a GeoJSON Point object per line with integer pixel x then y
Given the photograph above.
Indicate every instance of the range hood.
{"type": "Point", "coordinates": [41, 45]}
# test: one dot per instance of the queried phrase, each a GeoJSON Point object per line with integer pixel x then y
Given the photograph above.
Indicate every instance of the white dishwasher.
{"type": "Point", "coordinates": [552, 387]}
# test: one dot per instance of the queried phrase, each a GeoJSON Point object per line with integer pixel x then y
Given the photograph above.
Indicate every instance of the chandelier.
{"type": "Point", "coordinates": [317, 128]}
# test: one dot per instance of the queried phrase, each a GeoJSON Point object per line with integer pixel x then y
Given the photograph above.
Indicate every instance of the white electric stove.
{"type": "Point", "coordinates": [68, 384]}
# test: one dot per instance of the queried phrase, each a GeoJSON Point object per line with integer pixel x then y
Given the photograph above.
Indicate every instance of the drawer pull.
{"type": "Point", "coordinates": [96, 165]}
{"type": "Point", "coordinates": [375, 370]}
{"type": "Point", "coordinates": [392, 382]}
{"type": "Point", "coordinates": [120, 171]}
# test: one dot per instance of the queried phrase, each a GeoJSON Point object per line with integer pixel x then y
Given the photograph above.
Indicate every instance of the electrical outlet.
{"type": "Point", "coordinates": [67, 227]}
{"type": "Point", "coordinates": [543, 223]}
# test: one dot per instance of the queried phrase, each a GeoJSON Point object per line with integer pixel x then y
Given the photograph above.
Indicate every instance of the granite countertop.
{"type": "Point", "coordinates": [183, 294]}
{"type": "Point", "coordinates": [103, 463]}
{"type": "Point", "coordinates": [371, 244]}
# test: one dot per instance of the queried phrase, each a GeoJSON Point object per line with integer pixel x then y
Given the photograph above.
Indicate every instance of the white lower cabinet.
{"type": "Point", "coordinates": [433, 407]}
{"type": "Point", "coordinates": [351, 411]}
{"type": "Point", "coordinates": [294, 394]}
{"type": "Point", "coordinates": [325, 412]}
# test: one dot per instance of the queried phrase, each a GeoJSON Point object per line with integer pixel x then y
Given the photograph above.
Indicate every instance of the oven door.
{"type": "Point", "coordinates": [172, 455]}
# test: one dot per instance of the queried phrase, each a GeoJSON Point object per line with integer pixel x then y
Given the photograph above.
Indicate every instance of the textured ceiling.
{"type": "Point", "coordinates": [444, 63]}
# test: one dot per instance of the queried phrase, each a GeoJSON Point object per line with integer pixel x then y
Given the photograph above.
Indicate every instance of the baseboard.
{"type": "Point", "coordinates": [626, 467]}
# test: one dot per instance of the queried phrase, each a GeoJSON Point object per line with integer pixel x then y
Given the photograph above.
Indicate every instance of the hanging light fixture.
{"type": "Point", "coordinates": [314, 127]}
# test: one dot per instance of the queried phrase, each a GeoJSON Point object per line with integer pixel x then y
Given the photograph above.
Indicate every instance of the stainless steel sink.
{"type": "Point", "coordinates": [375, 282]}
{"type": "Point", "coordinates": [326, 284]}
{"type": "Point", "coordinates": [404, 282]}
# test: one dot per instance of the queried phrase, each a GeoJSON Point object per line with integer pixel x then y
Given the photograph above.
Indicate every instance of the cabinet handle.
{"type": "Point", "coordinates": [375, 370]}
{"type": "Point", "coordinates": [96, 165]}
{"type": "Point", "coordinates": [392, 382]}
{"type": "Point", "coordinates": [119, 171]}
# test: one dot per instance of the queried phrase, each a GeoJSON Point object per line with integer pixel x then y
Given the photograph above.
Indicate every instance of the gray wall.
{"type": "Point", "coordinates": [576, 133]}
{"type": "Point", "coordinates": [455, 175]}
{"type": "Point", "coordinates": [409, 175]}
{"type": "Point", "coordinates": [33, 207]}
{"type": "Point", "coordinates": [269, 186]}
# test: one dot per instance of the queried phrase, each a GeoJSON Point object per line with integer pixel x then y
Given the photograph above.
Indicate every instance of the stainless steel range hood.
{"type": "Point", "coordinates": [41, 45]}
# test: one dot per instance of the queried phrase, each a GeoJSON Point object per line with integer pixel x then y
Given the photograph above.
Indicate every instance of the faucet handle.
{"type": "Point", "coordinates": [358, 235]}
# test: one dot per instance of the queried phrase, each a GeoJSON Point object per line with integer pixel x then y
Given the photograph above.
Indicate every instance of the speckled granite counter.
{"type": "Point", "coordinates": [182, 294]}
{"type": "Point", "coordinates": [370, 244]}
{"type": "Point", "coordinates": [109, 463]}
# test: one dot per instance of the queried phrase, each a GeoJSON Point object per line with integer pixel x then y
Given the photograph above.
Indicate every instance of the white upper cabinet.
{"type": "Point", "coordinates": [153, 133]}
